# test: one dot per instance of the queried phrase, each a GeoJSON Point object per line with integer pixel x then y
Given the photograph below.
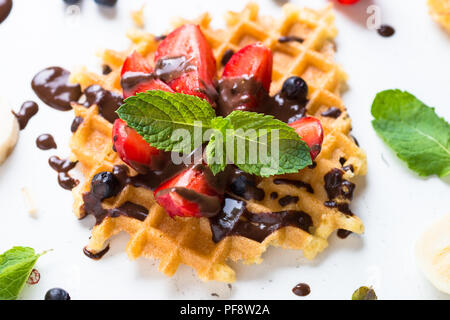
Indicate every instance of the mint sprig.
{"type": "Point", "coordinates": [414, 131]}
{"type": "Point", "coordinates": [158, 115]}
{"type": "Point", "coordinates": [16, 265]}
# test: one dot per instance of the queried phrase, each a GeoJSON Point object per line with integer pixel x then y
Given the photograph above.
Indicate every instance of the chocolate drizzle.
{"type": "Point", "coordinates": [107, 101]}
{"type": "Point", "coordinates": [95, 256]}
{"type": "Point", "coordinates": [285, 39]}
{"type": "Point", "coordinates": [255, 226]}
{"type": "Point", "coordinates": [336, 186]}
{"type": "Point", "coordinates": [226, 56]}
{"type": "Point", "coordinates": [63, 167]}
{"type": "Point", "coordinates": [26, 112]}
{"type": "Point", "coordinates": [295, 183]}
{"type": "Point", "coordinates": [45, 142]}
{"type": "Point", "coordinates": [5, 9]}
{"type": "Point", "coordinates": [52, 86]}
{"type": "Point", "coordinates": [287, 200]}
{"type": "Point", "coordinates": [244, 185]}
{"type": "Point", "coordinates": [332, 112]}
{"type": "Point", "coordinates": [76, 123]}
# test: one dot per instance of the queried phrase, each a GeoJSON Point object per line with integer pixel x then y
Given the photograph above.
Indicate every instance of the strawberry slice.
{"type": "Point", "coordinates": [195, 76]}
{"type": "Point", "coordinates": [134, 150]}
{"type": "Point", "coordinates": [136, 76]}
{"type": "Point", "coordinates": [311, 131]}
{"type": "Point", "coordinates": [243, 75]}
{"type": "Point", "coordinates": [190, 193]}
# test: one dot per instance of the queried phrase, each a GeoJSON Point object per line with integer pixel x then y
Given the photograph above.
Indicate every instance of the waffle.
{"type": "Point", "coordinates": [188, 240]}
{"type": "Point", "coordinates": [440, 11]}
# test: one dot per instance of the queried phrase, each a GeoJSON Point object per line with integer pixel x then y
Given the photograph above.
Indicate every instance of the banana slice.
{"type": "Point", "coordinates": [433, 253]}
{"type": "Point", "coordinates": [9, 131]}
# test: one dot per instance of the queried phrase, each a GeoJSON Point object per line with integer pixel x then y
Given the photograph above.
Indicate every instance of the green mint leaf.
{"type": "Point", "coordinates": [414, 131]}
{"type": "Point", "coordinates": [216, 148]}
{"type": "Point", "coordinates": [16, 265]}
{"type": "Point", "coordinates": [156, 115]}
{"type": "Point", "coordinates": [364, 293]}
{"type": "Point", "coordinates": [259, 132]}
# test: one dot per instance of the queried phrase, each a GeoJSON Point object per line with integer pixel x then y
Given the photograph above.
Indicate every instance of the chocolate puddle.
{"type": "Point", "coordinates": [5, 9]}
{"type": "Point", "coordinates": [255, 226]}
{"type": "Point", "coordinates": [52, 86]}
{"type": "Point", "coordinates": [45, 142]}
{"type": "Point", "coordinates": [26, 112]}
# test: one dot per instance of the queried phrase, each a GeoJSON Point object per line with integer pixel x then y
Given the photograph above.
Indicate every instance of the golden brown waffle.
{"type": "Point", "coordinates": [188, 240]}
{"type": "Point", "coordinates": [440, 11]}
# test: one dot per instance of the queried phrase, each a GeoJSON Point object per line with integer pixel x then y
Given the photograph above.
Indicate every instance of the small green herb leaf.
{"type": "Point", "coordinates": [414, 131]}
{"type": "Point", "coordinates": [16, 265]}
{"type": "Point", "coordinates": [156, 114]}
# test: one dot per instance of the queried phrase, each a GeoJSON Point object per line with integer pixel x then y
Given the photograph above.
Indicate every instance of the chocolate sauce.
{"type": "Point", "coordinates": [209, 206]}
{"type": "Point", "coordinates": [95, 256]}
{"type": "Point", "coordinates": [313, 165]}
{"type": "Point", "coordinates": [286, 110]}
{"type": "Point", "coordinates": [226, 56]}
{"type": "Point", "coordinates": [244, 185]}
{"type": "Point", "coordinates": [295, 183]}
{"type": "Point", "coordinates": [5, 9]}
{"type": "Point", "coordinates": [342, 160]}
{"type": "Point", "coordinates": [274, 195]}
{"type": "Point", "coordinates": [106, 69]}
{"type": "Point", "coordinates": [107, 101]}
{"type": "Point", "coordinates": [354, 139]}
{"type": "Point", "coordinates": [332, 112]}
{"type": "Point", "coordinates": [349, 167]}
{"type": "Point", "coordinates": [285, 39]}
{"type": "Point", "coordinates": [342, 207]}
{"type": "Point", "coordinates": [161, 37]}
{"type": "Point", "coordinates": [342, 233]}
{"type": "Point", "coordinates": [52, 86]}
{"type": "Point", "coordinates": [130, 209]}
{"type": "Point", "coordinates": [66, 181]}
{"type": "Point", "coordinates": [301, 289]}
{"type": "Point", "coordinates": [61, 165]}
{"type": "Point", "coordinates": [76, 123]}
{"type": "Point", "coordinates": [170, 68]}
{"type": "Point", "coordinates": [45, 142]}
{"type": "Point", "coordinates": [26, 112]}
{"type": "Point", "coordinates": [386, 31]}
{"type": "Point", "coordinates": [336, 186]}
{"type": "Point", "coordinates": [255, 226]}
{"type": "Point", "coordinates": [287, 200]}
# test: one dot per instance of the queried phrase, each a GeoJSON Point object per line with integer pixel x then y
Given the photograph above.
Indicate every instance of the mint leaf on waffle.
{"type": "Point", "coordinates": [256, 143]}
{"type": "Point", "coordinates": [16, 265]}
{"type": "Point", "coordinates": [414, 131]}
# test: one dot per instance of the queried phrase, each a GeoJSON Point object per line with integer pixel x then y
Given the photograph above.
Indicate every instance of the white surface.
{"type": "Point", "coordinates": [394, 203]}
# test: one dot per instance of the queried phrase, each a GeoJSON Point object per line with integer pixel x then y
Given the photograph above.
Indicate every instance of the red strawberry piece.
{"type": "Point", "coordinates": [196, 75]}
{"type": "Point", "coordinates": [136, 76]}
{"type": "Point", "coordinates": [191, 193]}
{"type": "Point", "coordinates": [311, 131]}
{"type": "Point", "coordinates": [134, 150]}
{"type": "Point", "coordinates": [253, 63]}
{"type": "Point", "coordinates": [348, 1]}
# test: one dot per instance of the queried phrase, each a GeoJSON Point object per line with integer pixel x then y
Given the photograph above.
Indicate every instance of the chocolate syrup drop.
{"type": "Point", "coordinates": [290, 38]}
{"type": "Point", "coordinates": [45, 142]}
{"type": "Point", "coordinates": [336, 186]}
{"type": "Point", "coordinates": [63, 167]}
{"type": "Point", "coordinates": [52, 86]}
{"type": "Point", "coordinates": [95, 256]}
{"type": "Point", "coordinates": [76, 123]}
{"type": "Point", "coordinates": [5, 9]}
{"type": "Point", "coordinates": [107, 101]}
{"type": "Point", "coordinates": [342, 233]}
{"type": "Point", "coordinates": [332, 112]}
{"type": "Point", "coordinates": [301, 289]}
{"type": "Point", "coordinates": [26, 112]}
{"type": "Point", "coordinates": [295, 183]}
{"type": "Point", "coordinates": [66, 181]}
{"type": "Point", "coordinates": [386, 31]}
{"type": "Point", "coordinates": [106, 69]}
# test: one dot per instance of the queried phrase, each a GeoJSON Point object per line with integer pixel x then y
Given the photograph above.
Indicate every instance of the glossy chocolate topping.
{"type": "Point", "coordinates": [386, 31]}
{"type": "Point", "coordinates": [336, 186]}
{"type": "Point", "coordinates": [287, 200]}
{"type": "Point", "coordinates": [295, 183]}
{"type": "Point", "coordinates": [255, 226]}
{"type": "Point", "coordinates": [26, 112]}
{"type": "Point", "coordinates": [107, 101]}
{"type": "Point", "coordinates": [290, 38]}
{"type": "Point", "coordinates": [63, 167]}
{"type": "Point", "coordinates": [226, 56]}
{"type": "Point", "coordinates": [332, 112]}
{"type": "Point", "coordinates": [45, 142]}
{"type": "Point", "coordinates": [66, 181]}
{"type": "Point", "coordinates": [52, 86]}
{"type": "Point", "coordinates": [301, 289]}
{"type": "Point", "coordinates": [95, 256]}
{"type": "Point", "coordinates": [76, 123]}
{"type": "Point", "coordinates": [5, 9]}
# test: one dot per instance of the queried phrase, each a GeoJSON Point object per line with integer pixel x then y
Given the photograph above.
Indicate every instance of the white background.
{"type": "Point", "coordinates": [394, 203]}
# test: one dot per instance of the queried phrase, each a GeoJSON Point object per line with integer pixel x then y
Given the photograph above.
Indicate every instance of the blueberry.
{"type": "Point", "coordinates": [71, 1]}
{"type": "Point", "coordinates": [104, 185]}
{"type": "Point", "coordinates": [57, 294]}
{"type": "Point", "coordinates": [295, 88]}
{"type": "Point", "coordinates": [109, 3]}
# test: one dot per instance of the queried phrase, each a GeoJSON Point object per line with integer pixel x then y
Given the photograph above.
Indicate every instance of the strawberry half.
{"type": "Point", "coordinates": [197, 76]}
{"type": "Point", "coordinates": [190, 194]}
{"type": "Point", "coordinates": [311, 131]}
{"type": "Point", "coordinates": [137, 67]}
{"type": "Point", "coordinates": [133, 149]}
{"type": "Point", "coordinates": [253, 66]}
